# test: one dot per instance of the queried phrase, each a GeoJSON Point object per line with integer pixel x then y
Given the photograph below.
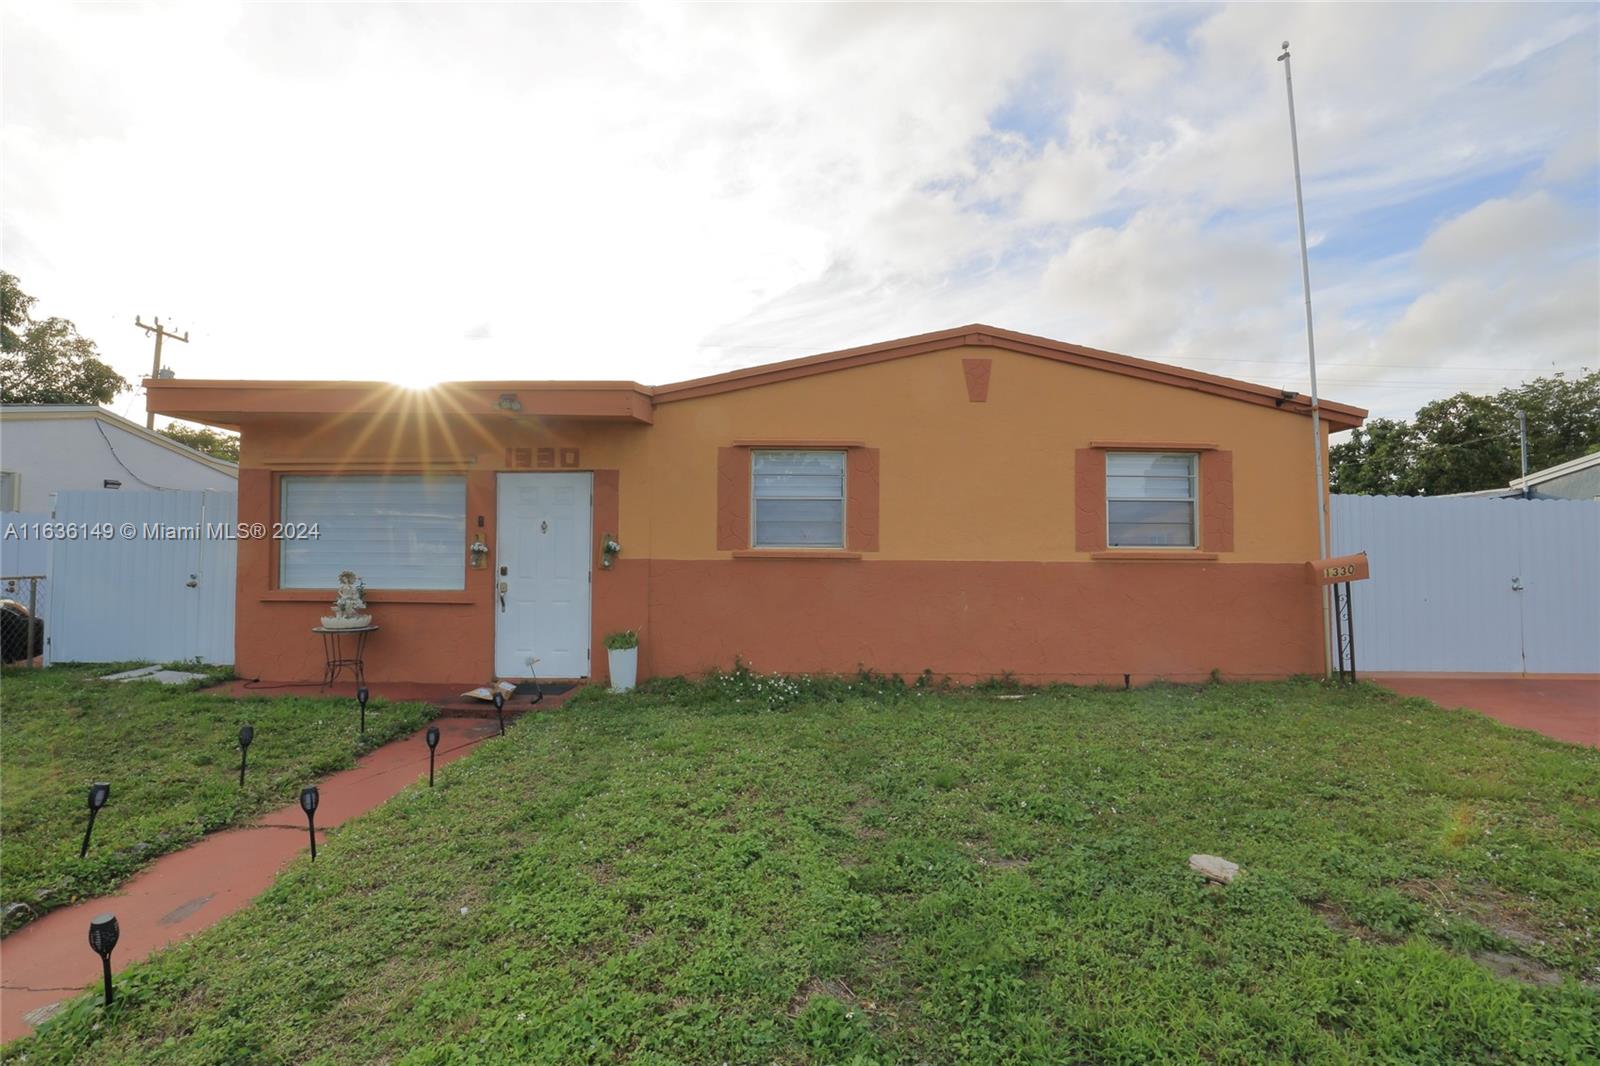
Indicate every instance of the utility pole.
{"type": "Point", "coordinates": [1317, 462]}
{"type": "Point", "coordinates": [155, 367]}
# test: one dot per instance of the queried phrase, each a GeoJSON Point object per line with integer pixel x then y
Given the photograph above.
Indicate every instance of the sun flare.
{"type": "Point", "coordinates": [418, 377]}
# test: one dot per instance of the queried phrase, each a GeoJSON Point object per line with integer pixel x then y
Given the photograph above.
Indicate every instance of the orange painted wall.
{"type": "Point", "coordinates": [993, 480]}
{"type": "Point", "coordinates": [424, 636]}
{"type": "Point", "coordinates": [976, 569]}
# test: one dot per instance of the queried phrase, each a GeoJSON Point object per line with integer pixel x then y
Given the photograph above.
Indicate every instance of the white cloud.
{"type": "Point", "coordinates": [1163, 283]}
{"type": "Point", "coordinates": [1501, 235]}
{"type": "Point", "coordinates": [1501, 300]}
{"type": "Point", "coordinates": [655, 192]}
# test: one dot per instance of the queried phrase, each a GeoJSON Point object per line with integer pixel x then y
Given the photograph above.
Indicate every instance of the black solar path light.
{"type": "Point", "coordinates": [99, 792]}
{"type": "Point", "coordinates": [362, 695]}
{"type": "Point", "coordinates": [500, 710]}
{"type": "Point", "coordinates": [247, 733]}
{"type": "Point", "coordinates": [103, 934]}
{"type": "Point", "coordinates": [309, 798]}
{"type": "Point", "coordinates": [432, 737]}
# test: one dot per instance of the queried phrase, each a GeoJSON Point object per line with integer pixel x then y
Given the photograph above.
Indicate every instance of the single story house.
{"type": "Point", "coordinates": [973, 502]}
{"type": "Point", "coordinates": [48, 448]}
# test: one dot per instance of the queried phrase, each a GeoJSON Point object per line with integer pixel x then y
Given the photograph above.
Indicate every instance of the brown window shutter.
{"type": "Point", "coordinates": [733, 499]}
{"type": "Point", "coordinates": [1216, 501]}
{"type": "Point", "coordinates": [861, 509]}
{"type": "Point", "coordinates": [1090, 502]}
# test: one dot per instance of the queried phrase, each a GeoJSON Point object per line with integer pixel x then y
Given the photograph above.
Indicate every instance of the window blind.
{"type": "Point", "coordinates": [395, 531]}
{"type": "Point", "coordinates": [1150, 500]}
{"type": "Point", "coordinates": [798, 499]}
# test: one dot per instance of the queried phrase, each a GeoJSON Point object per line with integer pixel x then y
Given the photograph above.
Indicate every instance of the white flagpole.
{"type": "Point", "coordinates": [1317, 462]}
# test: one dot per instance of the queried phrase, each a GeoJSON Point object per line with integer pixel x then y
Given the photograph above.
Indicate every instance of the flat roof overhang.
{"type": "Point", "coordinates": [229, 404]}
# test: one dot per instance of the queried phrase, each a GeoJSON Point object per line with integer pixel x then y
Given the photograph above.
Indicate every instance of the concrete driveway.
{"type": "Point", "coordinates": [1565, 709]}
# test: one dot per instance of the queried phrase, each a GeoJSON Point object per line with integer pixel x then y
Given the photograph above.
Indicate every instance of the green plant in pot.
{"type": "Point", "coordinates": [622, 654]}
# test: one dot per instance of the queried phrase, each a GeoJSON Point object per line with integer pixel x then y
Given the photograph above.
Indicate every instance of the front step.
{"type": "Point", "coordinates": [515, 707]}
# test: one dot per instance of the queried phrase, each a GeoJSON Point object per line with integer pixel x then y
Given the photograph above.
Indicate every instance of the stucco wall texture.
{"type": "Point", "coordinates": [974, 564]}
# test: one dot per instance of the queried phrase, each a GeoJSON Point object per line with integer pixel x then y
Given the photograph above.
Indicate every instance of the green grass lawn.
{"type": "Point", "coordinates": [171, 756]}
{"type": "Point", "coordinates": [755, 871]}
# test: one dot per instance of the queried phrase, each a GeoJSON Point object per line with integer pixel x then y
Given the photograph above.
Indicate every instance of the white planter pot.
{"type": "Point", "coordinates": [624, 668]}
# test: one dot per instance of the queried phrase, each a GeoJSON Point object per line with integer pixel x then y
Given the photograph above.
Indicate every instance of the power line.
{"type": "Point", "coordinates": [112, 449]}
{"type": "Point", "coordinates": [814, 349]}
{"type": "Point", "coordinates": [801, 351]}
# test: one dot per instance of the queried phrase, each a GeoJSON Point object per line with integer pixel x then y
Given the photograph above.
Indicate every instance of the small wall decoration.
{"type": "Point", "coordinates": [976, 372]}
{"type": "Point", "coordinates": [348, 603]}
{"type": "Point", "coordinates": [543, 458]}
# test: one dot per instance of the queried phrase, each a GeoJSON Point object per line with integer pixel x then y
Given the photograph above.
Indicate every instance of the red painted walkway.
{"type": "Point", "coordinates": [1562, 708]}
{"type": "Point", "coordinates": [48, 961]}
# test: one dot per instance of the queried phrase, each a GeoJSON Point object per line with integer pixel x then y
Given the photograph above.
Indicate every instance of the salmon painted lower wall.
{"type": "Point", "coordinates": [1072, 622]}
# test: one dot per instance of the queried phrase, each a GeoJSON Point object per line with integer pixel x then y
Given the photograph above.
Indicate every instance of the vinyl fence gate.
{"type": "Point", "coordinates": [158, 585]}
{"type": "Point", "coordinates": [1473, 585]}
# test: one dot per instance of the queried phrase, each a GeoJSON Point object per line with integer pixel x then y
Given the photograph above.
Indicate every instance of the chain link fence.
{"type": "Point", "coordinates": [24, 606]}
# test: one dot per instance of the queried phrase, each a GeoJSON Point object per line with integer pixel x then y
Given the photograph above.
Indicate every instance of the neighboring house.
{"type": "Point", "coordinates": [971, 502]}
{"type": "Point", "coordinates": [46, 448]}
{"type": "Point", "coordinates": [1575, 479]}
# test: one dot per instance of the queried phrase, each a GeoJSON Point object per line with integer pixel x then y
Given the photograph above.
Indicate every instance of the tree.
{"type": "Point", "coordinates": [45, 360]}
{"type": "Point", "coordinates": [1376, 460]}
{"type": "Point", "coordinates": [1465, 443]}
{"type": "Point", "coordinates": [213, 443]}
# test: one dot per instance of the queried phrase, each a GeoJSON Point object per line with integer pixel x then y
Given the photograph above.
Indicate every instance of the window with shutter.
{"type": "Point", "coordinates": [396, 531]}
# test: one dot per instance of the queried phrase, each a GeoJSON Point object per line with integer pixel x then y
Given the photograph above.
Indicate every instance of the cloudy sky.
{"type": "Point", "coordinates": [427, 192]}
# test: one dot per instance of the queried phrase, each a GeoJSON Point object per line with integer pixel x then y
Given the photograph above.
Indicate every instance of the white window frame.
{"type": "Point", "coordinates": [11, 500]}
{"type": "Point", "coordinates": [844, 500]}
{"type": "Point", "coordinates": [286, 519]}
{"type": "Point", "coordinates": [1193, 499]}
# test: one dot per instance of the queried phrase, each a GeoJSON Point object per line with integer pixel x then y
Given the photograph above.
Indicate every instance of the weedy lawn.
{"type": "Point", "coordinates": [751, 870]}
{"type": "Point", "coordinates": [171, 756]}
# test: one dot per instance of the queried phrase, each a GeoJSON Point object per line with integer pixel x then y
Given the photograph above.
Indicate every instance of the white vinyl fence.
{"type": "Point", "coordinates": [146, 575]}
{"type": "Point", "coordinates": [1474, 585]}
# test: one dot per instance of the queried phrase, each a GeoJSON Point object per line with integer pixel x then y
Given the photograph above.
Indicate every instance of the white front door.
{"type": "Point", "coordinates": [542, 575]}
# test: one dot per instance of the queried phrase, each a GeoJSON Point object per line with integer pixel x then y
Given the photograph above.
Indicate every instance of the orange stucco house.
{"type": "Point", "coordinates": [973, 501]}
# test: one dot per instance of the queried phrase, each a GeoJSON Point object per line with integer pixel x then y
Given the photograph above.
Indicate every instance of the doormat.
{"type": "Point", "coordinates": [549, 688]}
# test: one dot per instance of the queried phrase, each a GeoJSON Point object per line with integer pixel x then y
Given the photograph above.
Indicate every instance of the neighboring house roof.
{"type": "Point", "coordinates": [1560, 470]}
{"type": "Point", "coordinates": [1520, 486]}
{"type": "Point", "coordinates": [43, 412]}
{"type": "Point", "coordinates": [1486, 494]}
{"type": "Point", "coordinates": [223, 402]}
